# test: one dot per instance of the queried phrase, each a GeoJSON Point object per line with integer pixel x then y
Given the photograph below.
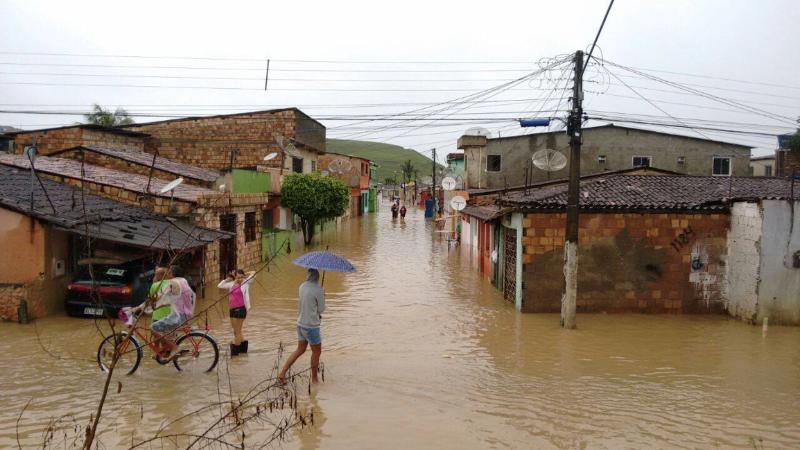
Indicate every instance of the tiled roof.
{"type": "Point", "coordinates": [655, 192]}
{"type": "Point", "coordinates": [101, 218]}
{"type": "Point", "coordinates": [163, 164]}
{"type": "Point", "coordinates": [101, 175]}
{"type": "Point", "coordinates": [84, 126]}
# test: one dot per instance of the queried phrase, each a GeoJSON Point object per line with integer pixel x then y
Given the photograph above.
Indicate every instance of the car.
{"type": "Point", "coordinates": [116, 286]}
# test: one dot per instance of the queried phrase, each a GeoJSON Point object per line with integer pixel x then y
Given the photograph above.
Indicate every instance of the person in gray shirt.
{"type": "Point", "coordinates": [312, 305]}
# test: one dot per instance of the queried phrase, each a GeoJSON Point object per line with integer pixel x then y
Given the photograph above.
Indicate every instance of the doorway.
{"type": "Point", "coordinates": [227, 247]}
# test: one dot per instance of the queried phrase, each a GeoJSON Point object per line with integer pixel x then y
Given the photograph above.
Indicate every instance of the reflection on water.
{"type": "Point", "coordinates": [421, 352]}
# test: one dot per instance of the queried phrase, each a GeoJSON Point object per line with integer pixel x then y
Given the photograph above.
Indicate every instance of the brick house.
{"type": "Point", "coordinates": [230, 212]}
{"type": "Point", "coordinates": [42, 241]}
{"type": "Point", "coordinates": [355, 173]}
{"type": "Point", "coordinates": [655, 244]}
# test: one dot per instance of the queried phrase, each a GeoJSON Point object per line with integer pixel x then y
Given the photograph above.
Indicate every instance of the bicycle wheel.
{"type": "Point", "coordinates": [198, 352]}
{"type": "Point", "coordinates": [130, 353]}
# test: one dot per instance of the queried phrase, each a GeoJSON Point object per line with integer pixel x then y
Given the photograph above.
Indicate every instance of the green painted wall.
{"type": "Point", "coordinates": [274, 240]}
{"type": "Point", "coordinates": [250, 182]}
{"type": "Point", "coordinates": [373, 200]}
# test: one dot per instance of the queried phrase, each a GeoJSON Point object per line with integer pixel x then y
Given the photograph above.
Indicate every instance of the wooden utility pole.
{"type": "Point", "coordinates": [569, 298]}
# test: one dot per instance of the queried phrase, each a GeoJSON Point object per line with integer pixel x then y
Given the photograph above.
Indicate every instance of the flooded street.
{"type": "Point", "coordinates": [421, 352]}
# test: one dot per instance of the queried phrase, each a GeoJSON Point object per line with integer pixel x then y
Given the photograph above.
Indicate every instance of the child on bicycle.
{"type": "Point", "coordinates": [176, 293]}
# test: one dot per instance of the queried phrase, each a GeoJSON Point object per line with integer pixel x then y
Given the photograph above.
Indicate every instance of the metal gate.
{"type": "Point", "coordinates": [510, 266]}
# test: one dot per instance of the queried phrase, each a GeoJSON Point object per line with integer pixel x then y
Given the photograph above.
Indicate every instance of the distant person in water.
{"type": "Point", "coordinates": [312, 305]}
{"type": "Point", "coordinates": [403, 212]}
{"type": "Point", "coordinates": [395, 210]}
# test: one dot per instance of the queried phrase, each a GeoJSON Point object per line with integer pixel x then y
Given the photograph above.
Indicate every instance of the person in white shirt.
{"type": "Point", "coordinates": [238, 285]}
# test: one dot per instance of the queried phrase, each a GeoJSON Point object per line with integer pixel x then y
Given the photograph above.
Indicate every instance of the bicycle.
{"type": "Point", "coordinates": [194, 354]}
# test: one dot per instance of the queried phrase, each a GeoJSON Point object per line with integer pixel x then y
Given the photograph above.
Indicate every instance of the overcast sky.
{"type": "Point", "coordinates": [752, 42]}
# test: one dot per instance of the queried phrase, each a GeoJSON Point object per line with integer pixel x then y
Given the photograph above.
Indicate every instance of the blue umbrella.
{"type": "Point", "coordinates": [325, 261]}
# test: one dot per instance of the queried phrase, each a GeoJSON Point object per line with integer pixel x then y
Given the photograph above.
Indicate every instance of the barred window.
{"type": "Point", "coordinates": [249, 227]}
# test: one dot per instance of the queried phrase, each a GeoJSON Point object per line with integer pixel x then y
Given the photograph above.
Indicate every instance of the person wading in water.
{"type": "Point", "coordinates": [238, 285]}
{"type": "Point", "coordinates": [312, 305]}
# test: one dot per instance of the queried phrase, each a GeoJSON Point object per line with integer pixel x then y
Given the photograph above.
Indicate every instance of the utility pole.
{"type": "Point", "coordinates": [569, 298]}
{"type": "Point", "coordinates": [433, 186]}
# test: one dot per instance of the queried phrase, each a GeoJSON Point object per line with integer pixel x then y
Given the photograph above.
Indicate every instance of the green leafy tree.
{"type": "Point", "coordinates": [408, 174]}
{"type": "Point", "coordinates": [106, 118]}
{"type": "Point", "coordinates": [793, 141]}
{"type": "Point", "coordinates": [314, 198]}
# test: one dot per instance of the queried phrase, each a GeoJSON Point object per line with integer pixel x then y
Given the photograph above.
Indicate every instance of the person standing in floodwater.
{"type": "Point", "coordinates": [312, 305]}
{"type": "Point", "coordinates": [403, 212]}
{"type": "Point", "coordinates": [238, 284]}
{"type": "Point", "coordinates": [394, 210]}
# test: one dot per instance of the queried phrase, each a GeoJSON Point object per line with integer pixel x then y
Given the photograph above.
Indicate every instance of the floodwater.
{"type": "Point", "coordinates": [421, 352]}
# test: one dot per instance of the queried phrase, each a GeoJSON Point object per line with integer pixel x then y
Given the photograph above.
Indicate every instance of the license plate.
{"type": "Point", "coordinates": [89, 311]}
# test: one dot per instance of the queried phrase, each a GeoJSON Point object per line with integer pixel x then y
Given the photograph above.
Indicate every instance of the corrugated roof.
{"type": "Point", "coordinates": [146, 159]}
{"type": "Point", "coordinates": [101, 175]}
{"type": "Point", "coordinates": [655, 192]}
{"type": "Point", "coordinates": [486, 212]}
{"type": "Point", "coordinates": [79, 212]}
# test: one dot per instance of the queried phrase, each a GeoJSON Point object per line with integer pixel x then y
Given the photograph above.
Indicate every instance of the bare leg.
{"type": "Point", "coordinates": [316, 351]}
{"type": "Point", "coordinates": [301, 348]}
{"type": "Point", "coordinates": [237, 330]}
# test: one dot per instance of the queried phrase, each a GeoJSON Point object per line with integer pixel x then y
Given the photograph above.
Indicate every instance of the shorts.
{"type": "Point", "coordinates": [238, 313]}
{"type": "Point", "coordinates": [169, 324]}
{"type": "Point", "coordinates": [310, 335]}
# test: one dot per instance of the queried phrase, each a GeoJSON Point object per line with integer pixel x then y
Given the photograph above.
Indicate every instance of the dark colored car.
{"type": "Point", "coordinates": [116, 286]}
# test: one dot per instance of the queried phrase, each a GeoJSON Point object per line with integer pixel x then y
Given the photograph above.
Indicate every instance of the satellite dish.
{"type": "Point", "coordinates": [222, 188]}
{"type": "Point", "coordinates": [448, 183]}
{"type": "Point", "coordinates": [458, 202]}
{"type": "Point", "coordinates": [171, 185]}
{"type": "Point", "coordinates": [271, 156]}
{"type": "Point", "coordinates": [549, 160]}
{"type": "Point", "coordinates": [478, 131]}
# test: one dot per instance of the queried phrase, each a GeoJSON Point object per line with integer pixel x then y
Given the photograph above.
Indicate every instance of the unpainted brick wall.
{"type": "Point", "coordinates": [248, 254]}
{"type": "Point", "coordinates": [208, 142]}
{"type": "Point", "coordinates": [51, 141]}
{"type": "Point", "coordinates": [628, 262]}
{"type": "Point", "coordinates": [12, 294]}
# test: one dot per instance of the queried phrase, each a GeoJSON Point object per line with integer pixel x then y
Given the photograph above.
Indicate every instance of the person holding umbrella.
{"type": "Point", "coordinates": [311, 307]}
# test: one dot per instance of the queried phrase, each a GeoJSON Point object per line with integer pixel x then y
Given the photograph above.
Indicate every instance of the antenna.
{"type": "Point", "coordinates": [549, 160]}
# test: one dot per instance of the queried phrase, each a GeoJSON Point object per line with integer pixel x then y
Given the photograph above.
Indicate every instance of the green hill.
{"type": "Point", "coordinates": [388, 157]}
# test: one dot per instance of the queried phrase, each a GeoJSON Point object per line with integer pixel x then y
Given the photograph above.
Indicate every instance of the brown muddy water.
{"type": "Point", "coordinates": [420, 352]}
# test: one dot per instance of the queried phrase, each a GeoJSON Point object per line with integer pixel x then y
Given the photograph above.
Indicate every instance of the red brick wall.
{"type": "Point", "coordinates": [208, 142]}
{"type": "Point", "coordinates": [12, 294]}
{"type": "Point", "coordinates": [51, 141]}
{"type": "Point", "coordinates": [628, 262]}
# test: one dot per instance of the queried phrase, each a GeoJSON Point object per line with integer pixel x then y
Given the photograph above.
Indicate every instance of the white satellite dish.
{"type": "Point", "coordinates": [448, 183]}
{"type": "Point", "coordinates": [549, 160]}
{"type": "Point", "coordinates": [458, 202]}
{"type": "Point", "coordinates": [171, 185]}
{"type": "Point", "coordinates": [222, 188]}
{"type": "Point", "coordinates": [478, 131]}
{"type": "Point", "coordinates": [271, 156]}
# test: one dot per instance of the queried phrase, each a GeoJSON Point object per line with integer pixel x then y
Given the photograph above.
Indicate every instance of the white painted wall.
{"type": "Point", "coordinates": [743, 262]}
{"type": "Point", "coordinates": [779, 289]}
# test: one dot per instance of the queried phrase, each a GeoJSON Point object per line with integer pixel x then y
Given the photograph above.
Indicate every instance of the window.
{"type": "Point", "coordinates": [767, 170]}
{"type": "Point", "coordinates": [266, 219]}
{"type": "Point", "coordinates": [313, 166]}
{"type": "Point", "coordinates": [601, 159]}
{"type": "Point", "coordinates": [493, 163]}
{"type": "Point", "coordinates": [249, 226]}
{"type": "Point", "coordinates": [297, 165]}
{"type": "Point", "coordinates": [721, 166]}
{"type": "Point", "coordinates": [681, 160]}
{"type": "Point", "coordinates": [641, 161]}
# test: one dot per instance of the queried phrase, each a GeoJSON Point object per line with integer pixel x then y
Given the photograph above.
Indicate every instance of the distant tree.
{"type": "Point", "coordinates": [408, 174]}
{"type": "Point", "coordinates": [106, 118]}
{"type": "Point", "coordinates": [314, 198]}
{"type": "Point", "coordinates": [793, 141]}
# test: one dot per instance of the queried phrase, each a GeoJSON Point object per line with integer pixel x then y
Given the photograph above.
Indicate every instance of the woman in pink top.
{"type": "Point", "coordinates": [237, 283]}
